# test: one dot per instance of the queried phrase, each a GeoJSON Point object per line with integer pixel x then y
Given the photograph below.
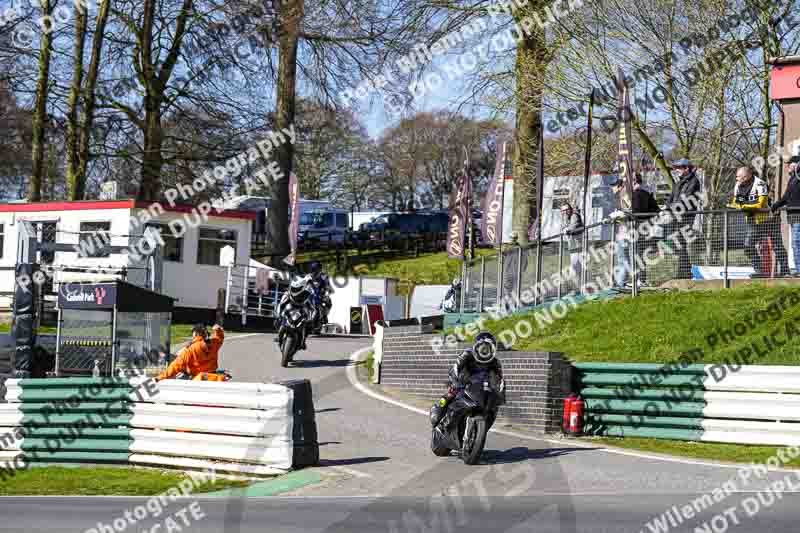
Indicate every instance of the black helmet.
{"type": "Point", "coordinates": [200, 330]}
{"type": "Point", "coordinates": [316, 268]}
{"type": "Point", "coordinates": [485, 348]}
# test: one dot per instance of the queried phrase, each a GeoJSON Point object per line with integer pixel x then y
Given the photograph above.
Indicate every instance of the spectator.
{"type": "Point", "coordinates": [621, 245]}
{"type": "Point", "coordinates": [791, 199]}
{"type": "Point", "coordinates": [572, 229]}
{"type": "Point", "coordinates": [687, 188]}
{"type": "Point", "coordinates": [751, 196]}
{"type": "Point", "coordinates": [510, 266]}
{"type": "Point", "coordinates": [643, 207]}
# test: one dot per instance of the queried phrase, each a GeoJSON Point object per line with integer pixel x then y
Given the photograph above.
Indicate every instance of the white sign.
{"type": "Point", "coordinates": [108, 190]}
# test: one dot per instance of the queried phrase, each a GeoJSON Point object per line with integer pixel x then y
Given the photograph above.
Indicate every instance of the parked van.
{"type": "Point", "coordinates": [328, 225]}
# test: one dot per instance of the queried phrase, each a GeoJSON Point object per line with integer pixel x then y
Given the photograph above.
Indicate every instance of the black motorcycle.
{"type": "Point", "coordinates": [481, 401]}
{"type": "Point", "coordinates": [293, 318]}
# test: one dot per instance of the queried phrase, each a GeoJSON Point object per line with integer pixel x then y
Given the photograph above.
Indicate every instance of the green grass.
{"type": "Point", "coordinates": [105, 481]}
{"type": "Point", "coordinates": [737, 453]}
{"type": "Point", "coordinates": [657, 327]}
{"type": "Point", "coordinates": [427, 269]}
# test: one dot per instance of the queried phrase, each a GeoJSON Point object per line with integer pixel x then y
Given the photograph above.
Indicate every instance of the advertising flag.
{"type": "Point", "coordinates": [492, 221]}
{"type": "Point", "coordinates": [459, 213]}
{"type": "Point", "coordinates": [625, 153]}
{"type": "Point", "coordinates": [294, 222]}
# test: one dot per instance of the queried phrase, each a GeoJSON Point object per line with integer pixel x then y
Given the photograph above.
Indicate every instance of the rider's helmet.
{"type": "Point", "coordinates": [456, 281]}
{"type": "Point", "coordinates": [298, 290]}
{"type": "Point", "coordinates": [485, 348]}
{"type": "Point", "coordinates": [316, 268]}
{"type": "Point", "coordinates": [200, 330]}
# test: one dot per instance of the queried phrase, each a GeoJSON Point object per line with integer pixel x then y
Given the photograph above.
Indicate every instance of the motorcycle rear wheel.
{"type": "Point", "coordinates": [474, 440]}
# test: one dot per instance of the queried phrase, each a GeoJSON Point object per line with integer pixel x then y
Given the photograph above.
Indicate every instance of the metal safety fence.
{"type": "Point", "coordinates": [253, 291]}
{"type": "Point", "coordinates": [638, 252]}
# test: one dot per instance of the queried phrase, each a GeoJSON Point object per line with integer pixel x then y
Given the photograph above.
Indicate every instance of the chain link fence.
{"type": "Point", "coordinates": [653, 250]}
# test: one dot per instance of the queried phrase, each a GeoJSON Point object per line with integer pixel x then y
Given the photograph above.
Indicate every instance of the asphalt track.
{"type": "Point", "coordinates": [379, 476]}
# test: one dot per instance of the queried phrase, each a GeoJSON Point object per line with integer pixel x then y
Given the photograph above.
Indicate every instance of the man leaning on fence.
{"type": "Point", "coordinates": [751, 196]}
{"type": "Point", "coordinates": [791, 201]}
{"type": "Point", "coordinates": [683, 192]}
{"type": "Point", "coordinates": [572, 229]}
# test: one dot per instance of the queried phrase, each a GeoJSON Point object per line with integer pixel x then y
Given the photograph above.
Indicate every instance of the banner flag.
{"type": "Point", "coordinates": [625, 152]}
{"type": "Point", "coordinates": [492, 221]}
{"type": "Point", "coordinates": [294, 222]}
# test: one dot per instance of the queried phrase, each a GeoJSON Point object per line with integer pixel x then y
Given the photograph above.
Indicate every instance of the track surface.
{"type": "Point", "coordinates": [379, 476]}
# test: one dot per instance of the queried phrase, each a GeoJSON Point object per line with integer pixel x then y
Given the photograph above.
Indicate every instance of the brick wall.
{"type": "Point", "coordinates": [536, 382]}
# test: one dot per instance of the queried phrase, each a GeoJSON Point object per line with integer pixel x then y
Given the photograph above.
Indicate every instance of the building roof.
{"type": "Point", "coordinates": [83, 205]}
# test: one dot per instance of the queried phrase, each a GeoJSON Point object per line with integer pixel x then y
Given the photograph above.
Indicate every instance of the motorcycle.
{"type": "Point", "coordinates": [481, 400]}
{"type": "Point", "coordinates": [293, 319]}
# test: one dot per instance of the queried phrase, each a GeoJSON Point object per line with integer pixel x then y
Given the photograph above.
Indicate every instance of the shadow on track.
{"type": "Point", "coordinates": [319, 363]}
{"type": "Point", "coordinates": [354, 461]}
{"type": "Point", "coordinates": [517, 455]}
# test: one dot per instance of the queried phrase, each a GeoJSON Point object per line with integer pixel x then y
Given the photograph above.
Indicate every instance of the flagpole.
{"type": "Point", "coordinates": [587, 161]}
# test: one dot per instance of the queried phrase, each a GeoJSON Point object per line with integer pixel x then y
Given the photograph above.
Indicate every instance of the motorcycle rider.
{"type": "Point", "coordinates": [202, 354]}
{"type": "Point", "coordinates": [482, 354]}
{"type": "Point", "coordinates": [322, 285]}
{"type": "Point", "coordinates": [449, 304]}
{"type": "Point", "coordinates": [299, 294]}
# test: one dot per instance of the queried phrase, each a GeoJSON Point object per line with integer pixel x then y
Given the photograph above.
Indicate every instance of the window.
{"type": "Point", "coordinates": [341, 220]}
{"type": "Point", "coordinates": [94, 239]}
{"type": "Point", "coordinates": [211, 242]}
{"type": "Point", "coordinates": [172, 249]}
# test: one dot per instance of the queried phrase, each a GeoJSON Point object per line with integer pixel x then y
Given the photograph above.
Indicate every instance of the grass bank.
{"type": "Point", "coordinates": [735, 453]}
{"type": "Point", "coordinates": [657, 327]}
{"type": "Point", "coordinates": [179, 332]}
{"type": "Point", "coordinates": [101, 481]}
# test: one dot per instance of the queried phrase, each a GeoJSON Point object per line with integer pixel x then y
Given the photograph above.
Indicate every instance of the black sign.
{"type": "Point", "coordinates": [87, 296]}
{"type": "Point", "coordinates": [356, 320]}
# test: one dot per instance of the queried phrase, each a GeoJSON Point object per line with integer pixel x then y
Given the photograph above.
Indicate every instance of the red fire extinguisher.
{"type": "Point", "coordinates": [567, 412]}
{"type": "Point", "coordinates": [576, 417]}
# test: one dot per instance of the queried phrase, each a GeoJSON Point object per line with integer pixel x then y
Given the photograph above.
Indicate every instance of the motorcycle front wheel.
{"type": "Point", "coordinates": [439, 451]}
{"type": "Point", "coordinates": [474, 440]}
{"type": "Point", "coordinates": [287, 350]}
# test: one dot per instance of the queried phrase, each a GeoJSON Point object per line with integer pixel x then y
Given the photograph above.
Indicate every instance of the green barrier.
{"type": "Point", "coordinates": [638, 368]}
{"type": "Point", "coordinates": [666, 394]}
{"type": "Point", "coordinates": [650, 432]}
{"type": "Point", "coordinates": [78, 457]}
{"type": "Point", "coordinates": [78, 445]}
{"type": "Point", "coordinates": [69, 432]}
{"type": "Point", "coordinates": [632, 420]}
{"type": "Point", "coordinates": [648, 408]}
{"type": "Point", "coordinates": [636, 380]}
{"type": "Point", "coordinates": [59, 396]}
{"type": "Point", "coordinates": [86, 407]}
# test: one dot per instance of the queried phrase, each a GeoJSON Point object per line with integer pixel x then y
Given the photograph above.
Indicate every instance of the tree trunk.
{"type": "Point", "coordinates": [40, 111]}
{"type": "Point", "coordinates": [278, 215]}
{"type": "Point", "coordinates": [530, 67]}
{"type": "Point", "coordinates": [73, 101]}
{"type": "Point", "coordinates": [152, 160]}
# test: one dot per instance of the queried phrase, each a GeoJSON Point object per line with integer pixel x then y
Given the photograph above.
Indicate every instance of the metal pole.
{"type": "Point", "coordinates": [57, 367]}
{"type": "Point", "coordinates": [480, 284]}
{"type": "Point", "coordinates": [538, 273]}
{"type": "Point", "coordinates": [725, 249]}
{"type": "Point", "coordinates": [519, 274]}
{"type": "Point", "coordinates": [113, 339]}
{"type": "Point", "coordinates": [463, 286]}
{"type": "Point", "coordinates": [632, 258]}
{"type": "Point", "coordinates": [613, 250]}
{"type": "Point", "coordinates": [584, 259]}
{"type": "Point", "coordinates": [500, 276]}
{"type": "Point", "coordinates": [560, 262]}
{"type": "Point", "coordinates": [228, 289]}
{"type": "Point", "coordinates": [245, 291]}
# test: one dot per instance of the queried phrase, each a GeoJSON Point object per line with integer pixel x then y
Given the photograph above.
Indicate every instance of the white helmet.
{"type": "Point", "coordinates": [298, 290]}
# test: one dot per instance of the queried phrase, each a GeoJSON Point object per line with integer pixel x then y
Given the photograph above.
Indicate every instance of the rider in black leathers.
{"type": "Point", "coordinates": [482, 354]}
{"type": "Point", "coordinates": [322, 284]}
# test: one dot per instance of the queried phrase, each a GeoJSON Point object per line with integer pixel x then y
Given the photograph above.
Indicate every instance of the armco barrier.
{"type": "Point", "coordinates": [710, 403]}
{"type": "Point", "coordinates": [535, 382]}
{"type": "Point", "coordinates": [250, 428]}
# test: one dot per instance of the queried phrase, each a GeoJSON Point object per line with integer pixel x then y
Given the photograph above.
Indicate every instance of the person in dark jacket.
{"type": "Point", "coordinates": [684, 194]}
{"type": "Point", "coordinates": [643, 207]}
{"type": "Point", "coordinates": [791, 200]}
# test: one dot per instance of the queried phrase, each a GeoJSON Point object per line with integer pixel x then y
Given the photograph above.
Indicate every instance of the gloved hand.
{"type": "Point", "coordinates": [617, 214]}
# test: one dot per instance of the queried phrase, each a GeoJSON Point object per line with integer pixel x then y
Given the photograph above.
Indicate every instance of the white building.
{"type": "Point", "coordinates": [192, 273]}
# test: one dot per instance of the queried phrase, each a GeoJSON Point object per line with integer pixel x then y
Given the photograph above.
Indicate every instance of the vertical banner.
{"type": "Point", "coordinates": [456, 227]}
{"type": "Point", "coordinates": [625, 153]}
{"type": "Point", "coordinates": [294, 223]}
{"type": "Point", "coordinates": [492, 221]}
{"type": "Point", "coordinates": [587, 160]}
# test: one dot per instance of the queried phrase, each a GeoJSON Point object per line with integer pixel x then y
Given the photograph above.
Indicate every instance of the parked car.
{"type": "Point", "coordinates": [329, 225]}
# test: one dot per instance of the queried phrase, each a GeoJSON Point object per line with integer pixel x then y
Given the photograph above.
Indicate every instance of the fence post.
{"type": "Point", "coordinates": [499, 276]}
{"type": "Point", "coordinates": [560, 263]}
{"type": "Point", "coordinates": [480, 284]}
{"type": "Point", "coordinates": [519, 274]}
{"type": "Point", "coordinates": [228, 289]}
{"type": "Point", "coordinates": [538, 273]}
{"type": "Point", "coordinates": [725, 249]}
{"type": "Point", "coordinates": [632, 258]}
{"type": "Point", "coordinates": [613, 254]}
{"type": "Point", "coordinates": [463, 287]}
